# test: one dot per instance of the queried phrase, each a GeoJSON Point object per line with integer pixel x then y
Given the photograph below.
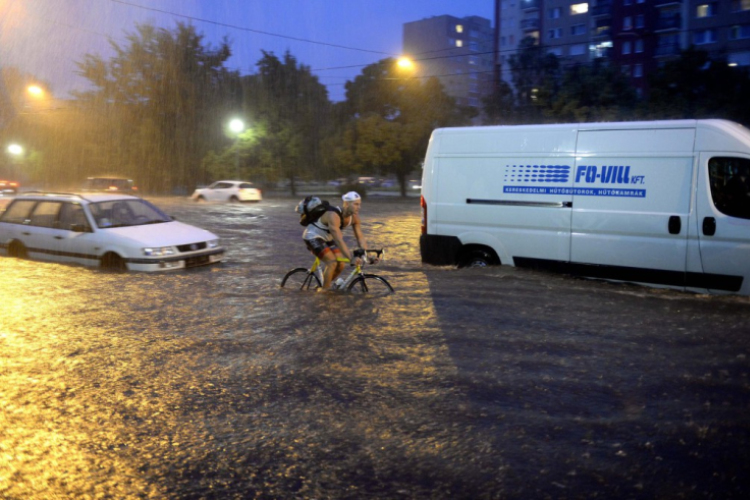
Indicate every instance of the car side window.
{"type": "Point", "coordinates": [729, 179]}
{"type": "Point", "coordinates": [18, 212]}
{"type": "Point", "coordinates": [72, 214]}
{"type": "Point", "coordinates": [223, 185]}
{"type": "Point", "coordinates": [45, 214]}
{"type": "Point", "coordinates": [246, 185]}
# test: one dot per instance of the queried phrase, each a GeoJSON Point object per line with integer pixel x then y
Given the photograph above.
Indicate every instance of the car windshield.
{"type": "Point", "coordinates": [121, 213]}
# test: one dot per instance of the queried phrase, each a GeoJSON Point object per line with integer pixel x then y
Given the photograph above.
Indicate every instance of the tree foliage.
{"type": "Point", "coordinates": [161, 101]}
{"type": "Point", "coordinates": [389, 119]}
{"type": "Point", "coordinates": [290, 112]}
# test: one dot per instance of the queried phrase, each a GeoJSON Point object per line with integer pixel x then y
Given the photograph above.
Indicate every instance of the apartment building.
{"type": "Point", "coordinates": [458, 51]}
{"type": "Point", "coordinates": [635, 35]}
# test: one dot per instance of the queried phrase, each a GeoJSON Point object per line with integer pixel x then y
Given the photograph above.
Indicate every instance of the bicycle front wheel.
{"type": "Point", "coordinates": [370, 283]}
{"type": "Point", "coordinates": [300, 279]}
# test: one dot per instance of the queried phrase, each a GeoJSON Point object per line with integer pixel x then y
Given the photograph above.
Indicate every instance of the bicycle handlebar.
{"type": "Point", "coordinates": [360, 252]}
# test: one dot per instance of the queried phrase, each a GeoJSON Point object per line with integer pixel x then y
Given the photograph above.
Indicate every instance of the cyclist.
{"type": "Point", "coordinates": [324, 237]}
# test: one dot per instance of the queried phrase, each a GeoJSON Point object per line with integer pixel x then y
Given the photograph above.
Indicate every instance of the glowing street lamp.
{"type": "Point", "coordinates": [15, 150]}
{"type": "Point", "coordinates": [35, 90]}
{"type": "Point", "coordinates": [405, 63]}
{"type": "Point", "coordinates": [237, 126]}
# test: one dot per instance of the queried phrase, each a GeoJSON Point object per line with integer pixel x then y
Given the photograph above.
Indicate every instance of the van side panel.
{"type": "Point", "coordinates": [480, 199]}
{"type": "Point", "coordinates": [631, 206]}
{"type": "Point", "coordinates": [474, 208]}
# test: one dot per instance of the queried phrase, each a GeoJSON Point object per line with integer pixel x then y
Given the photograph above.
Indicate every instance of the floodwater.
{"type": "Point", "coordinates": [214, 383]}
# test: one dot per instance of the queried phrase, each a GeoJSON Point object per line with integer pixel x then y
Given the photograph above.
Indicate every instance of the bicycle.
{"type": "Point", "coordinates": [357, 282]}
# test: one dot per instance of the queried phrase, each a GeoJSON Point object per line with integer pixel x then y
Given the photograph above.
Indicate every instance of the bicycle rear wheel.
{"type": "Point", "coordinates": [300, 279]}
{"type": "Point", "coordinates": [370, 283]}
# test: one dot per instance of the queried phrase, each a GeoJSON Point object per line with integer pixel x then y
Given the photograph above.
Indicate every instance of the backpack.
{"type": "Point", "coordinates": [312, 208]}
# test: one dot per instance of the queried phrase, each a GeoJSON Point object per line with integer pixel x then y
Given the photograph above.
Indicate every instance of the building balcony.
{"type": "Point", "coordinates": [602, 9]}
{"type": "Point", "coordinates": [667, 23]}
{"type": "Point", "coordinates": [530, 24]}
{"type": "Point", "coordinates": [672, 49]}
{"type": "Point", "coordinates": [530, 4]}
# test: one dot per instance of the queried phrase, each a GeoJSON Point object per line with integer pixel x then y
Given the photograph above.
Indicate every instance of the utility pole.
{"type": "Point", "coordinates": [496, 48]}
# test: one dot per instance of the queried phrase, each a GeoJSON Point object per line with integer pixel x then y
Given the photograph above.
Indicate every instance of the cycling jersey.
{"type": "Point", "coordinates": [320, 230]}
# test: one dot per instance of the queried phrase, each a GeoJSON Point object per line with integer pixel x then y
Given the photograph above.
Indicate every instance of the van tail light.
{"type": "Point", "coordinates": [423, 204]}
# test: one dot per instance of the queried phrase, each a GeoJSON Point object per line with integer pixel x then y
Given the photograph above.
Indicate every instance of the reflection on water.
{"type": "Point", "coordinates": [500, 383]}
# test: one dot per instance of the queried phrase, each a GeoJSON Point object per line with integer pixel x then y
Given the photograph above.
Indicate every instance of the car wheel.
{"type": "Point", "coordinates": [113, 262]}
{"type": "Point", "coordinates": [200, 199]}
{"type": "Point", "coordinates": [18, 250]}
{"type": "Point", "coordinates": [477, 258]}
{"type": "Point", "coordinates": [234, 199]}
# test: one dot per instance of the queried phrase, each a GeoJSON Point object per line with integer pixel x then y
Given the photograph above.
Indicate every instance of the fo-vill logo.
{"type": "Point", "coordinates": [607, 174]}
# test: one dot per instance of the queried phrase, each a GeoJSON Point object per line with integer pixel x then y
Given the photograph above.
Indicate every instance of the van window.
{"type": "Point", "coordinates": [730, 185]}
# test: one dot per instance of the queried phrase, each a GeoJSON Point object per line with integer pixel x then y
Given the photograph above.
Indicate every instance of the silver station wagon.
{"type": "Point", "coordinates": [114, 231]}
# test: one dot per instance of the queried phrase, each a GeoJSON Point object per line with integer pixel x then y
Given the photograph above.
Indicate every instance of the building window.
{"type": "Point", "coordinates": [739, 32]}
{"type": "Point", "coordinates": [704, 36]}
{"type": "Point", "coordinates": [705, 10]}
{"type": "Point", "coordinates": [459, 43]}
{"type": "Point", "coordinates": [625, 69]}
{"type": "Point", "coordinates": [639, 46]}
{"type": "Point", "coordinates": [627, 23]}
{"type": "Point", "coordinates": [641, 1]}
{"type": "Point", "coordinates": [557, 51]}
{"type": "Point", "coordinates": [577, 50]}
{"type": "Point", "coordinates": [579, 8]}
{"type": "Point", "coordinates": [626, 48]}
{"type": "Point", "coordinates": [637, 70]}
{"type": "Point", "coordinates": [578, 29]}
{"type": "Point", "coordinates": [459, 28]}
{"type": "Point", "coordinates": [555, 13]}
{"type": "Point", "coordinates": [639, 22]}
{"type": "Point", "coordinates": [739, 5]}
{"type": "Point", "coordinates": [554, 33]}
{"type": "Point", "coordinates": [627, 2]}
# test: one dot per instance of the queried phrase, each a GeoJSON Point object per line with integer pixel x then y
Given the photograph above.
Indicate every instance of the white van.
{"type": "Point", "coordinates": [660, 203]}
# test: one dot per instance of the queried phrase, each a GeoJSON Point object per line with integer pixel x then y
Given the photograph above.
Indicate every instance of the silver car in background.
{"type": "Point", "coordinates": [231, 191]}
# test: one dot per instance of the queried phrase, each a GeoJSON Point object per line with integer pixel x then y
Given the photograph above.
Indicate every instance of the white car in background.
{"type": "Point", "coordinates": [113, 231]}
{"type": "Point", "coordinates": [231, 191]}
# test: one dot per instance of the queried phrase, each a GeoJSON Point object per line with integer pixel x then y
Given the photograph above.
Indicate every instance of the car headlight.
{"type": "Point", "coordinates": [213, 244]}
{"type": "Point", "coordinates": [158, 251]}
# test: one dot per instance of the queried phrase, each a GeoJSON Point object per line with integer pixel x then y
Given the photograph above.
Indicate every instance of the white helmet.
{"type": "Point", "coordinates": [351, 196]}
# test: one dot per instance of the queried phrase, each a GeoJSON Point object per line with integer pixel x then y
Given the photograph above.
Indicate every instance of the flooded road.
{"type": "Point", "coordinates": [214, 383]}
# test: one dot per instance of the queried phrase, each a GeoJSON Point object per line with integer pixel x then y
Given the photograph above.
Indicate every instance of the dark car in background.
{"type": "Point", "coordinates": [8, 187]}
{"type": "Point", "coordinates": [110, 185]}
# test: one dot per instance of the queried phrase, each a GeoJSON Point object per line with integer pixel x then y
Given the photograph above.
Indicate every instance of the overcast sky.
{"type": "Point", "coordinates": [335, 38]}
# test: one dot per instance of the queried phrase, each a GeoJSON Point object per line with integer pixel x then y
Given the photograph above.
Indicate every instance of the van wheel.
{"type": "Point", "coordinates": [113, 262]}
{"type": "Point", "coordinates": [477, 258]}
{"type": "Point", "coordinates": [18, 250]}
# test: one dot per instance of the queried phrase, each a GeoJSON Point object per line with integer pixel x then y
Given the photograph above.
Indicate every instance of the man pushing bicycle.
{"type": "Point", "coordinates": [324, 237]}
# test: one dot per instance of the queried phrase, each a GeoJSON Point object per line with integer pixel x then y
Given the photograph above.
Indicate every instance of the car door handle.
{"type": "Point", "coordinates": [25, 233]}
{"type": "Point", "coordinates": [675, 224]}
{"type": "Point", "coordinates": [58, 237]}
{"type": "Point", "coordinates": [709, 226]}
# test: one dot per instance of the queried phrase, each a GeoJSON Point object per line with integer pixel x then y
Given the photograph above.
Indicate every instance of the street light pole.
{"type": "Point", "coordinates": [237, 126]}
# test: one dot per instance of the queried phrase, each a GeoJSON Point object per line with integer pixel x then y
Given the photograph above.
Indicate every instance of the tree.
{"type": "Point", "coordinates": [536, 73]}
{"type": "Point", "coordinates": [161, 99]}
{"type": "Point", "coordinates": [290, 110]}
{"type": "Point", "coordinates": [694, 86]}
{"type": "Point", "coordinates": [590, 93]}
{"type": "Point", "coordinates": [390, 120]}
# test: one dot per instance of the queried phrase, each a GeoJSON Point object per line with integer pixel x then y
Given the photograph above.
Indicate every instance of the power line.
{"type": "Point", "coordinates": [251, 30]}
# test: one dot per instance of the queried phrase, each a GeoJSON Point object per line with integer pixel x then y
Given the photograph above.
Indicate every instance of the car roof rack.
{"type": "Point", "coordinates": [53, 193]}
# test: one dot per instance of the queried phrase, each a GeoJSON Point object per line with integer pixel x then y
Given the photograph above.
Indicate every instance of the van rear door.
{"type": "Point", "coordinates": [631, 204]}
{"type": "Point", "coordinates": [723, 202]}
